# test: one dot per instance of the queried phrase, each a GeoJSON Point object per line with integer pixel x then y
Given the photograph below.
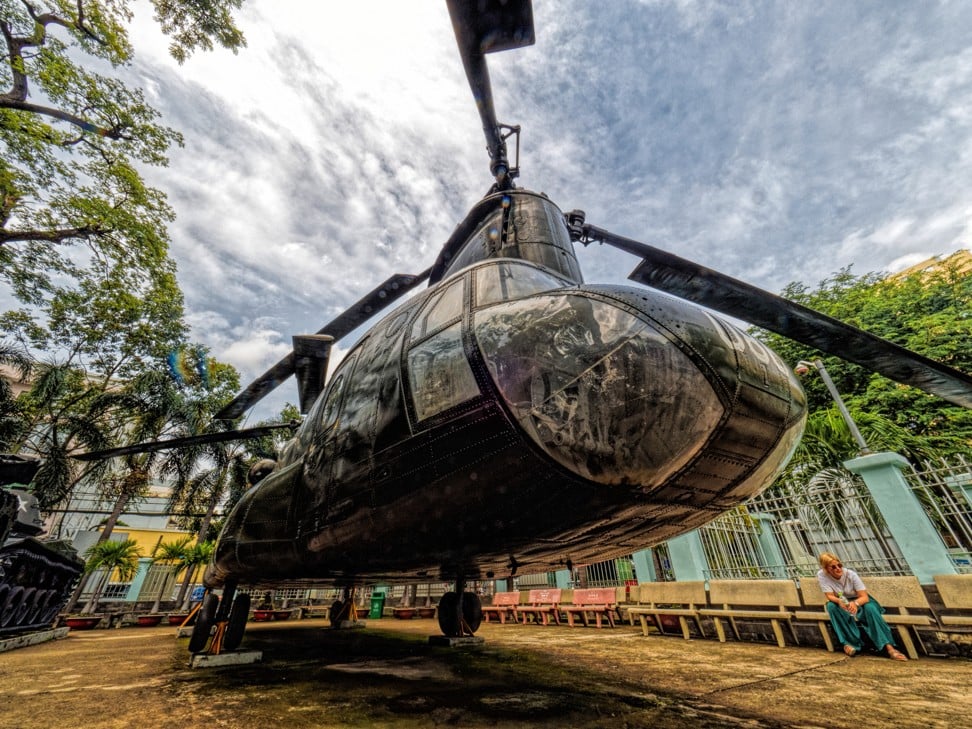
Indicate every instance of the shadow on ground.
{"type": "Point", "coordinates": [382, 678]}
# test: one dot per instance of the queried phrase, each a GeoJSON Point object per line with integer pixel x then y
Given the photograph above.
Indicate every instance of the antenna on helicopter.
{"type": "Point", "coordinates": [485, 27]}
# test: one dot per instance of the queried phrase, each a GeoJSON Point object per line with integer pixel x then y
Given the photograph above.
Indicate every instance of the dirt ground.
{"type": "Point", "coordinates": [387, 675]}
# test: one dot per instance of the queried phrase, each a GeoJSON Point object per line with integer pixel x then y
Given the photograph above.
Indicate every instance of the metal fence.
{"type": "Point", "coordinates": [944, 491]}
{"type": "Point", "coordinates": [780, 532]}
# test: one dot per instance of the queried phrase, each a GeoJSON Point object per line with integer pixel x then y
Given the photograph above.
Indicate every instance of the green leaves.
{"type": "Point", "coordinates": [111, 556]}
{"type": "Point", "coordinates": [929, 312]}
{"type": "Point", "coordinates": [72, 201]}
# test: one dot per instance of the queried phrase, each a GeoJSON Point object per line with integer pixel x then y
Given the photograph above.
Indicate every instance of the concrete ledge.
{"type": "Point", "coordinates": [464, 641]}
{"type": "Point", "coordinates": [41, 636]}
{"type": "Point", "coordinates": [232, 658]}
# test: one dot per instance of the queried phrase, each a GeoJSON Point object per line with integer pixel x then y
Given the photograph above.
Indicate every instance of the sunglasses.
{"type": "Point", "coordinates": [834, 564]}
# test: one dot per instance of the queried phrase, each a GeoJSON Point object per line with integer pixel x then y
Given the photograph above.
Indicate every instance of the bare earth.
{"type": "Point", "coordinates": [387, 675]}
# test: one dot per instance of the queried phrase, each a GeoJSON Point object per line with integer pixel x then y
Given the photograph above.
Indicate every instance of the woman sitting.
{"type": "Point", "coordinates": [853, 612]}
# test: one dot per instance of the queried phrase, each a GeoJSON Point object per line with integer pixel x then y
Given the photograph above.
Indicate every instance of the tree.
{"type": "Point", "coordinates": [196, 556]}
{"type": "Point", "coordinates": [171, 554]}
{"type": "Point", "coordinates": [11, 417]}
{"type": "Point", "coordinates": [927, 312]}
{"type": "Point", "coordinates": [120, 557]}
{"type": "Point", "coordinates": [72, 139]}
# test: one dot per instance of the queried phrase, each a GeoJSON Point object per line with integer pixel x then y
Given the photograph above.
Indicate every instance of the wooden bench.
{"type": "Point", "coordinates": [753, 600]}
{"type": "Point", "coordinates": [956, 594]}
{"type": "Point", "coordinates": [681, 600]}
{"type": "Point", "coordinates": [897, 596]}
{"type": "Point", "coordinates": [504, 606]}
{"type": "Point", "coordinates": [542, 605]}
{"type": "Point", "coordinates": [594, 602]}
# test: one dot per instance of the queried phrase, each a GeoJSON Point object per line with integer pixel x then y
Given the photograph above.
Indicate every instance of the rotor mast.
{"type": "Point", "coordinates": [487, 26]}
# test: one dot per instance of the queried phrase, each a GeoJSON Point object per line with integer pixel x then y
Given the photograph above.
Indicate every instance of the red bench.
{"type": "Point", "coordinates": [543, 604]}
{"type": "Point", "coordinates": [504, 606]}
{"type": "Point", "coordinates": [596, 602]}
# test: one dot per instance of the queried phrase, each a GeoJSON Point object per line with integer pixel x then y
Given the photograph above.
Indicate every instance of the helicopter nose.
{"type": "Point", "coordinates": [610, 393]}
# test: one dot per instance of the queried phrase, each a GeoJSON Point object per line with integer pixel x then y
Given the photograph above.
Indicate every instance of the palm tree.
{"type": "Point", "coordinates": [196, 556]}
{"type": "Point", "coordinates": [112, 557]}
{"type": "Point", "coordinates": [170, 553]}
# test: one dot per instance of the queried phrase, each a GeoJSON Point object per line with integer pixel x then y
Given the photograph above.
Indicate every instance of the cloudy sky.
{"type": "Point", "coordinates": [773, 141]}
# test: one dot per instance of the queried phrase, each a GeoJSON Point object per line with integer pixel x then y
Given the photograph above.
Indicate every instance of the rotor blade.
{"type": "Point", "coordinates": [390, 291]}
{"type": "Point", "coordinates": [687, 280]}
{"type": "Point", "coordinates": [189, 440]}
{"type": "Point", "coordinates": [486, 26]}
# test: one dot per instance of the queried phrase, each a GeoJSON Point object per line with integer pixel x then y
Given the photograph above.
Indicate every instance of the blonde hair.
{"type": "Point", "coordinates": [828, 558]}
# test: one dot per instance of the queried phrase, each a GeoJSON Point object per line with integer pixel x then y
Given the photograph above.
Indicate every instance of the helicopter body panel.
{"type": "Point", "coordinates": [512, 416]}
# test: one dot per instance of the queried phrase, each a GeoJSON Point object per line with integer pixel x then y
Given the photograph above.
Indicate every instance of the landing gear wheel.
{"type": "Point", "coordinates": [458, 617]}
{"type": "Point", "coordinates": [204, 623]}
{"type": "Point", "coordinates": [336, 614]}
{"type": "Point", "coordinates": [236, 625]}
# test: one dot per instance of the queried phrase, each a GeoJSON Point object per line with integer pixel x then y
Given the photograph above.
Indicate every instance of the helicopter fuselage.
{"type": "Point", "coordinates": [512, 417]}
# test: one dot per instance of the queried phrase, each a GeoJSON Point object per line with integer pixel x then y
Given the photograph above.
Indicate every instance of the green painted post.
{"type": "Point", "coordinates": [644, 566]}
{"type": "Point", "coordinates": [771, 548]}
{"type": "Point", "coordinates": [688, 557]}
{"type": "Point", "coordinates": [920, 543]}
{"type": "Point", "coordinates": [144, 564]}
{"type": "Point", "coordinates": [562, 579]}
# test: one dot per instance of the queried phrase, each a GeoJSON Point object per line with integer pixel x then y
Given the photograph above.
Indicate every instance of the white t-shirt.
{"type": "Point", "coordinates": [849, 583]}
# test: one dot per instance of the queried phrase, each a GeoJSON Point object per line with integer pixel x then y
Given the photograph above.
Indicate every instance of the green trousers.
{"type": "Point", "coordinates": [851, 631]}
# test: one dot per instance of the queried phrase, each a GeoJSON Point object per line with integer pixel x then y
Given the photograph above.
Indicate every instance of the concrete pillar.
{"type": "Point", "coordinates": [644, 565]}
{"type": "Point", "coordinates": [688, 557]}
{"type": "Point", "coordinates": [144, 563]}
{"type": "Point", "coordinates": [771, 548]}
{"type": "Point", "coordinates": [920, 543]}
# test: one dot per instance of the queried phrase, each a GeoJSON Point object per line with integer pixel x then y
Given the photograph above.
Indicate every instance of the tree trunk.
{"type": "Point", "coordinates": [96, 595]}
{"type": "Point", "coordinates": [120, 503]}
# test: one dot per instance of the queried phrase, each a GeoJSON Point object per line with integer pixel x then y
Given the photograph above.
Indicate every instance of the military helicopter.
{"type": "Point", "coordinates": [513, 417]}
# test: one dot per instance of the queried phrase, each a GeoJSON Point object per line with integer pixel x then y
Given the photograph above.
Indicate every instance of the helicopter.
{"type": "Point", "coordinates": [512, 416]}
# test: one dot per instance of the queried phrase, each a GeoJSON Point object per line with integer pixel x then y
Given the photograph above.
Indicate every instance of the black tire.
{"type": "Point", "coordinates": [204, 623]}
{"type": "Point", "coordinates": [29, 607]}
{"type": "Point", "coordinates": [336, 613]}
{"type": "Point", "coordinates": [236, 626]}
{"type": "Point", "coordinates": [11, 607]}
{"type": "Point", "coordinates": [448, 614]}
{"type": "Point", "coordinates": [460, 615]}
{"type": "Point", "coordinates": [472, 611]}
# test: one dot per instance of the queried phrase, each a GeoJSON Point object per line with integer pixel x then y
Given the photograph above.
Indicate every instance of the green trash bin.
{"type": "Point", "coordinates": [377, 605]}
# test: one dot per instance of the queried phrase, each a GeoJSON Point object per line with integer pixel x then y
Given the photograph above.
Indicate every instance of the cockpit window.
{"type": "Point", "coordinates": [439, 374]}
{"type": "Point", "coordinates": [439, 310]}
{"type": "Point", "coordinates": [506, 280]}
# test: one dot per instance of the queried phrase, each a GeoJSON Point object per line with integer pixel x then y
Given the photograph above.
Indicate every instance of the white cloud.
{"type": "Point", "coordinates": [776, 142]}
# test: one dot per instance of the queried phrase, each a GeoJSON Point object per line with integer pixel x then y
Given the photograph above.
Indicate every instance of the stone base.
{"type": "Point", "coordinates": [351, 624]}
{"type": "Point", "coordinates": [464, 641]}
{"type": "Point", "coordinates": [41, 636]}
{"type": "Point", "coordinates": [231, 658]}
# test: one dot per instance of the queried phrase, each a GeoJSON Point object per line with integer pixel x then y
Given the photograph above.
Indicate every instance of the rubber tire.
{"type": "Point", "coordinates": [448, 615]}
{"type": "Point", "coordinates": [236, 625]}
{"type": "Point", "coordinates": [472, 611]}
{"type": "Point", "coordinates": [29, 606]}
{"type": "Point", "coordinates": [11, 607]}
{"type": "Point", "coordinates": [204, 623]}
{"type": "Point", "coordinates": [337, 607]}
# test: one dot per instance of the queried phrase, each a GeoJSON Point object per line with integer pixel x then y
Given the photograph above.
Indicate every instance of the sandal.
{"type": "Point", "coordinates": [896, 655]}
{"type": "Point", "coordinates": [850, 651]}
